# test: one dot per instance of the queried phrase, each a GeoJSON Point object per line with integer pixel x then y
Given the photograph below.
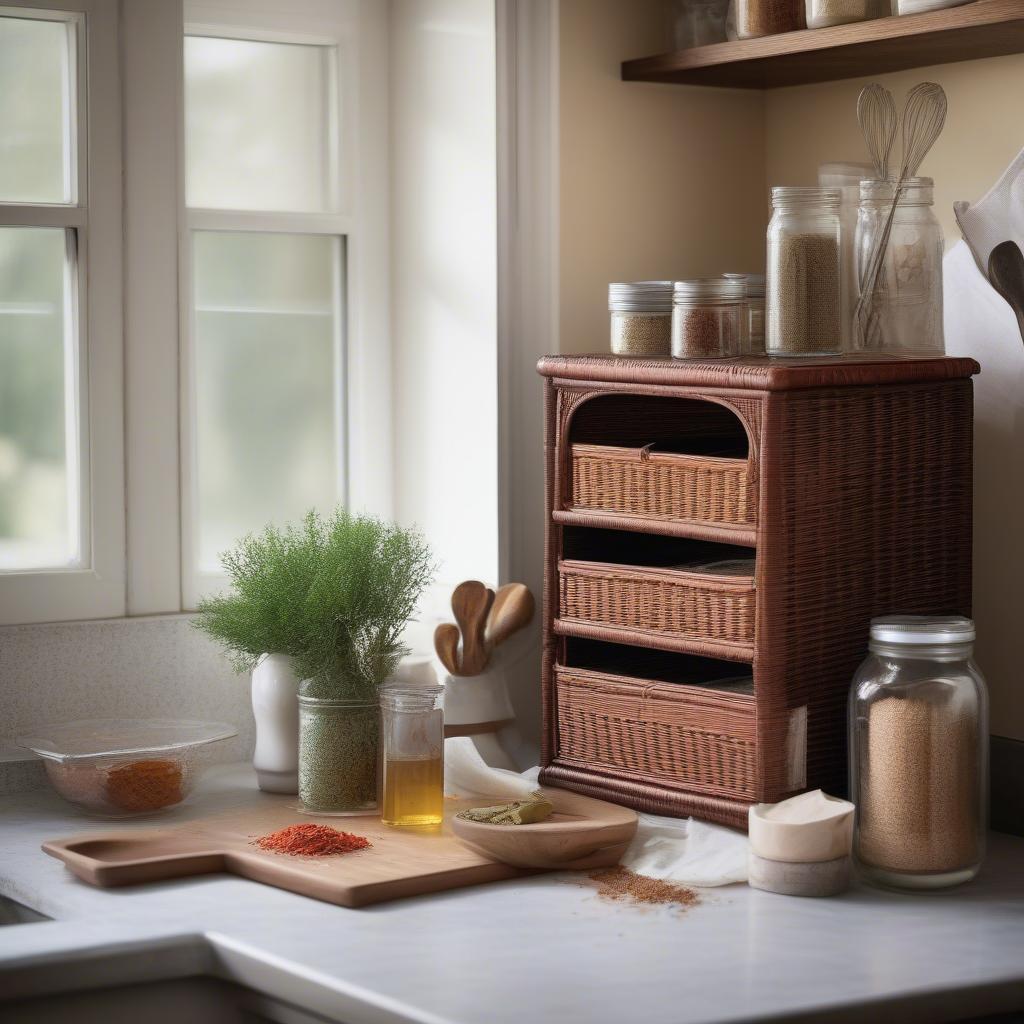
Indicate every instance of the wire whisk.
{"type": "Point", "coordinates": [924, 117]}
{"type": "Point", "coordinates": [876, 114]}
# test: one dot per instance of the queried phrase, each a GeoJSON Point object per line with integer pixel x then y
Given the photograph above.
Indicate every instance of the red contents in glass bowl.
{"type": "Point", "coordinates": [309, 840]}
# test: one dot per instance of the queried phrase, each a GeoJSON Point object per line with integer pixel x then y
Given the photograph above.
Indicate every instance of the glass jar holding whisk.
{"type": "Point", "coordinates": [413, 726]}
{"type": "Point", "coordinates": [906, 309]}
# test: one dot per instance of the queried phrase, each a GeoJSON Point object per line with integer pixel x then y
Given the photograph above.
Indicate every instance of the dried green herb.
{"type": "Point", "coordinates": [519, 812]}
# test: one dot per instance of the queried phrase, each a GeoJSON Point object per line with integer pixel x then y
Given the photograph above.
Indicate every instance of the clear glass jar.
{"type": "Point", "coordinates": [753, 287]}
{"type": "Point", "coordinates": [908, 296]}
{"type": "Point", "coordinates": [919, 753]}
{"type": "Point", "coordinates": [822, 13]}
{"type": "Point", "coordinates": [920, 6]}
{"type": "Point", "coordinates": [339, 755]}
{"type": "Point", "coordinates": [641, 317]}
{"type": "Point", "coordinates": [413, 755]}
{"type": "Point", "coordinates": [753, 18]}
{"type": "Point", "coordinates": [804, 295]}
{"type": "Point", "coordinates": [696, 22]}
{"type": "Point", "coordinates": [708, 318]}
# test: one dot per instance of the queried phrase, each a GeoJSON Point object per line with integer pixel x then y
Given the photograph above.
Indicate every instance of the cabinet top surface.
{"type": "Point", "coordinates": [757, 374]}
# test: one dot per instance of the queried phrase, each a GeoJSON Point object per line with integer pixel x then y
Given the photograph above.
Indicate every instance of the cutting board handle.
{"type": "Point", "coordinates": [132, 857]}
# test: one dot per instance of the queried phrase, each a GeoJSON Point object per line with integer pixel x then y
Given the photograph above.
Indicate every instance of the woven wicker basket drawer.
{"type": "Point", "coordinates": [700, 740]}
{"type": "Point", "coordinates": [669, 602]}
{"type": "Point", "coordinates": [662, 485]}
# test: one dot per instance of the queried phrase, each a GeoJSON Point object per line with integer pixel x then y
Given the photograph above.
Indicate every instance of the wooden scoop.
{"type": "Point", "coordinates": [471, 602]}
{"type": "Point", "coordinates": [1006, 272]}
{"type": "Point", "coordinates": [512, 610]}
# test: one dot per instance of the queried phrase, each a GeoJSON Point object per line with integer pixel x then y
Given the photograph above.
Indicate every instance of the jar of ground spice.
{"type": "Point", "coordinates": [753, 18]}
{"type": "Point", "coordinates": [919, 754]}
{"type": "Point", "coordinates": [804, 295]}
{"type": "Point", "coordinates": [753, 285]}
{"type": "Point", "coordinates": [641, 315]}
{"type": "Point", "coordinates": [708, 318]}
{"type": "Point", "coordinates": [823, 13]}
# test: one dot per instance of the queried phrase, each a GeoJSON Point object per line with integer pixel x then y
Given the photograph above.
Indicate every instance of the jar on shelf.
{"type": "Point", "coordinates": [413, 723]}
{"type": "Point", "coordinates": [641, 318]}
{"type": "Point", "coordinates": [804, 297]}
{"type": "Point", "coordinates": [920, 6]}
{"type": "Point", "coordinates": [696, 22]}
{"type": "Point", "coordinates": [339, 754]}
{"type": "Point", "coordinates": [823, 13]}
{"type": "Point", "coordinates": [753, 18]}
{"type": "Point", "coordinates": [708, 318]}
{"type": "Point", "coordinates": [907, 304]}
{"type": "Point", "coordinates": [919, 753]}
{"type": "Point", "coordinates": [753, 286]}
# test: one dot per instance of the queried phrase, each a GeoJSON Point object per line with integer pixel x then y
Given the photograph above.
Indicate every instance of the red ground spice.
{"type": "Point", "coordinates": [309, 840]}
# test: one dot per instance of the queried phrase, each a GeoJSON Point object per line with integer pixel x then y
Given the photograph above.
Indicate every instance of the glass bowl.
{"type": "Point", "coordinates": [121, 767]}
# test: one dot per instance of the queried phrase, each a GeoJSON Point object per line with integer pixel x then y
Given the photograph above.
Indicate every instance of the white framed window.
{"type": "Point", "coordinates": [61, 440]}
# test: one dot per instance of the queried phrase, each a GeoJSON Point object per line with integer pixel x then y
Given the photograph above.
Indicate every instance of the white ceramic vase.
{"type": "Point", "coordinates": [275, 704]}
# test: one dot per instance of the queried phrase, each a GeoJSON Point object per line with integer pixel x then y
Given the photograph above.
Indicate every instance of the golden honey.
{"type": "Point", "coordinates": [413, 791]}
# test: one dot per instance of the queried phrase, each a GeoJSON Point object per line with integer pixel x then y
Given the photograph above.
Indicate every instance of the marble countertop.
{"type": "Point", "coordinates": [449, 958]}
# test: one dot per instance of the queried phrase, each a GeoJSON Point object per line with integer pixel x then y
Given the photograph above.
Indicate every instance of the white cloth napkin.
{"type": "Point", "coordinates": [685, 851]}
{"type": "Point", "coordinates": [998, 217]}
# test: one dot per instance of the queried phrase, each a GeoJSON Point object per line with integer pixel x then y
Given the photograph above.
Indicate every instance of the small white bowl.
{"type": "Point", "coordinates": [122, 767]}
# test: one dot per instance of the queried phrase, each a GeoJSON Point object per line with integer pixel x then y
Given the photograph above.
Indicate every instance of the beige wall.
{"type": "Point", "coordinates": [656, 181]}
{"type": "Point", "coordinates": [661, 181]}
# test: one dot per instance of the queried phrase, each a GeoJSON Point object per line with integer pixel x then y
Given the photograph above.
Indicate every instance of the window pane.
{"type": "Point", "coordinates": [35, 111]}
{"type": "Point", "coordinates": [267, 372]}
{"type": "Point", "coordinates": [256, 125]}
{"type": "Point", "coordinates": [38, 418]}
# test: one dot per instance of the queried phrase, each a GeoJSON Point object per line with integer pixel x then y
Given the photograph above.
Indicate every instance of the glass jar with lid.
{"type": "Point", "coordinates": [753, 285]}
{"type": "Point", "coordinates": [907, 304]}
{"type": "Point", "coordinates": [708, 318]}
{"type": "Point", "coordinates": [413, 726]}
{"type": "Point", "coordinates": [641, 318]}
{"type": "Point", "coordinates": [696, 22]}
{"type": "Point", "coordinates": [823, 13]}
{"type": "Point", "coordinates": [804, 296]}
{"type": "Point", "coordinates": [919, 753]}
{"type": "Point", "coordinates": [749, 19]}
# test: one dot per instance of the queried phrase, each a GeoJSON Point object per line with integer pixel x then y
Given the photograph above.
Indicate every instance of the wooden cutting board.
{"type": "Point", "coordinates": [399, 862]}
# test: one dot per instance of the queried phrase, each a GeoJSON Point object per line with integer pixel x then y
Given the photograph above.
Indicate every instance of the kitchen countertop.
{"type": "Point", "coordinates": [573, 957]}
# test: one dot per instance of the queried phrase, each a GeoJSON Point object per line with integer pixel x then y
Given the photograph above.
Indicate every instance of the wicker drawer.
{"type": "Point", "coordinates": [700, 740]}
{"type": "Point", "coordinates": [672, 604]}
{"type": "Point", "coordinates": [662, 486]}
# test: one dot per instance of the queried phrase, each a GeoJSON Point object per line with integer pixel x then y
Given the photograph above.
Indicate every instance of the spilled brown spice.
{"type": "Point", "coordinates": [620, 883]}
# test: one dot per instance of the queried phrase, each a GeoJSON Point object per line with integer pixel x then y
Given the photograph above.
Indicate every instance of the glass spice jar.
{"type": "Point", "coordinates": [919, 753]}
{"type": "Point", "coordinates": [339, 754]}
{"type": "Point", "coordinates": [641, 318]}
{"type": "Point", "coordinates": [804, 297]}
{"type": "Point", "coordinates": [753, 285]}
{"type": "Point", "coordinates": [908, 297]}
{"type": "Point", "coordinates": [754, 18]}
{"type": "Point", "coordinates": [823, 13]}
{"type": "Point", "coordinates": [708, 318]}
{"type": "Point", "coordinates": [413, 722]}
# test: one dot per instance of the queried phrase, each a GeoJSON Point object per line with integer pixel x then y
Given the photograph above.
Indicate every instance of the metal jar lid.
{"type": "Point", "coordinates": [716, 288]}
{"type": "Point", "coordinates": [640, 297]}
{"type": "Point", "coordinates": [923, 629]}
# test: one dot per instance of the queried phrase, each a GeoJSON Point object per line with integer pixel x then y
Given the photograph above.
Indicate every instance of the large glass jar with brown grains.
{"type": "Point", "coordinates": [753, 18]}
{"type": "Point", "coordinates": [804, 294]}
{"type": "Point", "coordinates": [919, 753]}
{"type": "Point", "coordinates": [641, 315]}
{"type": "Point", "coordinates": [709, 317]}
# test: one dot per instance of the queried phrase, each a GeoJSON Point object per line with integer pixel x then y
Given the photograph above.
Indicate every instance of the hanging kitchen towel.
{"type": "Point", "coordinates": [998, 217]}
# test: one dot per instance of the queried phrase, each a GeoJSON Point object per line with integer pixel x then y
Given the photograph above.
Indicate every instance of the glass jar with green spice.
{"type": "Point", "coordinates": [339, 753]}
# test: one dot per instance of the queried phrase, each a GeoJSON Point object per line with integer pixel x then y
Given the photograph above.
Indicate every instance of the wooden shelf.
{"type": "Point", "coordinates": [984, 28]}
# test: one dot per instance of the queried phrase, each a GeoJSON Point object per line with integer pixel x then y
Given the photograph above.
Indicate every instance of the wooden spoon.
{"type": "Point", "coordinates": [446, 643]}
{"type": "Point", "coordinates": [1006, 272]}
{"type": "Point", "coordinates": [512, 610]}
{"type": "Point", "coordinates": [471, 601]}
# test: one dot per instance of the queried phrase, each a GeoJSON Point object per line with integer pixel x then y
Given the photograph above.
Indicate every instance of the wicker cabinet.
{"type": "Point", "coordinates": [718, 536]}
